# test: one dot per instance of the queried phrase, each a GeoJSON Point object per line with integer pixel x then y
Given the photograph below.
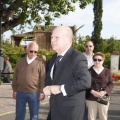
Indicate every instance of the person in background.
{"type": "Point", "coordinates": [102, 84]}
{"type": "Point", "coordinates": [7, 70]}
{"type": "Point", "coordinates": [67, 79]}
{"type": "Point", "coordinates": [89, 47]}
{"type": "Point", "coordinates": [44, 59]}
{"type": "Point", "coordinates": [25, 50]}
{"type": "Point", "coordinates": [28, 83]}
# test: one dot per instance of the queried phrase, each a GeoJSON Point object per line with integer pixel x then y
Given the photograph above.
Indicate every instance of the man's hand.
{"type": "Point", "coordinates": [55, 89]}
{"type": "Point", "coordinates": [47, 90]}
{"type": "Point", "coordinates": [14, 95]}
{"type": "Point", "coordinates": [41, 96]}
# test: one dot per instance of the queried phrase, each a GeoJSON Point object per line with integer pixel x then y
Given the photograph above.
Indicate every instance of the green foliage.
{"type": "Point", "coordinates": [45, 52]}
{"type": "Point", "coordinates": [83, 3]}
{"type": "Point", "coordinates": [107, 60]}
{"type": "Point", "coordinates": [113, 45]}
{"type": "Point", "coordinates": [106, 47]}
{"type": "Point", "coordinates": [79, 44]}
{"type": "Point", "coordinates": [14, 53]}
{"type": "Point", "coordinates": [20, 12]}
{"type": "Point", "coordinates": [101, 47]}
{"type": "Point", "coordinates": [97, 23]}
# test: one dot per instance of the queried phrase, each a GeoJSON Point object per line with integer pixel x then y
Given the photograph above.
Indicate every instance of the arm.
{"type": "Point", "coordinates": [108, 86]}
{"type": "Point", "coordinates": [82, 77]}
{"type": "Point", "coordinates": [110, 83]}
{"type": "Point", "coordinates": [42, 75]}
{"type": "Point", "coordinates": [14, 95]}
{"type": "Point", "coordinates": [14, 81]}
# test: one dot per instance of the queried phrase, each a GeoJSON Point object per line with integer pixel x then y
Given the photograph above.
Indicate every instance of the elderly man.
{"type": "Point", "coordinates": [67, 78]}
{"type": "Point", "coordinates": [28, 82]}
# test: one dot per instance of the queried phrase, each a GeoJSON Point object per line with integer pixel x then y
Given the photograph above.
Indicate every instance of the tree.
{"type": "Point", "coordinates": [97, 23]}
{"type": "Point", "coordinates": [20, 12]}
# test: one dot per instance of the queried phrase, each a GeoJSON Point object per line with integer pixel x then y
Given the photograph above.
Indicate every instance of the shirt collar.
{"type": "Point", "coordinates": [98, 72]}
{"type": "Point", "coordinates": [30, 60]}
{"type": "Point", "coordinates": [63, 52]}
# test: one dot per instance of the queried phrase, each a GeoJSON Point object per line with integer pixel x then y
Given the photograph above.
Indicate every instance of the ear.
{"type": "Point", "coordinates": [67, 41]}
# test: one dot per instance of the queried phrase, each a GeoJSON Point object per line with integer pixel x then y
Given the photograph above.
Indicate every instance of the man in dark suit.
{"type": "Point", "coordinates": [66, 87]}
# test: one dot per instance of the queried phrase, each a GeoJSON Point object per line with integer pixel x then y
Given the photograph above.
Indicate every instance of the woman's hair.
{"type": "Point", "coordinates": [99, 54]}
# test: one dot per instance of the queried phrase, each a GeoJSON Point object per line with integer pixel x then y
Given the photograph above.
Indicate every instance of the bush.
{"type": "Point", "coordinates": [106, 47]}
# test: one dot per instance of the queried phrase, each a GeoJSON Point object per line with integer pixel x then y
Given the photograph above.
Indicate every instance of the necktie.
{"type": "Point", "coordinates": [57, 60]}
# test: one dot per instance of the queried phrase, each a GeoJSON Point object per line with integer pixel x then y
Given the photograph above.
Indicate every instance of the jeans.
{"type": "Point", "coordinates": [22, 99]}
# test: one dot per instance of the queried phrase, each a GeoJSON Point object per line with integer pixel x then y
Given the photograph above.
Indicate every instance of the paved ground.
{"type": "Point", "coordinates": [7, 105]}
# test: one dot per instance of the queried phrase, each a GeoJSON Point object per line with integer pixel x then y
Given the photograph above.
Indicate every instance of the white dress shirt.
{"type": "Point", "coordinates": [90, 60]}
{"type": "Point", "coordinates": [51, 75]}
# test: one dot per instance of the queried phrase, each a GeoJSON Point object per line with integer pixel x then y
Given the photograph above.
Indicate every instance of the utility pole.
{"type": "Point", "coordinates": [1, 54]}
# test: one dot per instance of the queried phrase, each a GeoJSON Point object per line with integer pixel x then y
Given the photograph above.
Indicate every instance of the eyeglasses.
{"type": "Point", "coordinates": [32, 51]}
{"type": "Point", "coordinates": [99, 60]}
{"type": "Point", "coordinates": [88, 46]}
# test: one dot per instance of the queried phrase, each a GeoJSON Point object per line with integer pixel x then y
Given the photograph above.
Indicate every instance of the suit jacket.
{"type": "Point", "coordinates": [72, 71]}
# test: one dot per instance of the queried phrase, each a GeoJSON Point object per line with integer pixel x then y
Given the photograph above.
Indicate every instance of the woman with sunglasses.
{"type": "Point", "coordinates": [101, 85]}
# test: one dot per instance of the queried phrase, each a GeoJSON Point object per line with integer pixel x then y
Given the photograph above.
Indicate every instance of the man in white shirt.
{"type": "Point", "coordinates": [89, 47]}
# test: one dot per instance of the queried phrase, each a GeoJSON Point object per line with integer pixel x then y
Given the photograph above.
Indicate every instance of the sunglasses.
{"type": "Point", "coordinates": [88, 46]}
{"type": "Point", "coordinates": [99, 60]}
{"type": "Point", "coordinates": [32, 51]}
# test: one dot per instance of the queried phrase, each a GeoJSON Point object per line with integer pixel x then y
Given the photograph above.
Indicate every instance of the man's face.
{"type": "Point", "coordinates": [58, 41]}
{"type": "Point", "coordinates": [89, 47]}
{"type": "Point", "coordinates": [32, 51]}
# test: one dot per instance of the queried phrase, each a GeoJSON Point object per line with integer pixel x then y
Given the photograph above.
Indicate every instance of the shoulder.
{"type": "Point", "coordinates": [79, 55]}
{"type": "Point", "coordinates": [91, 69]}
{"type": "Point", "coordinates": [84, 53]}
{"type": "Point", "coordinates": [107, 70]}
{"type": "Point", "coordinates": [21, 60]}
{"type": "Point", "coordinates": [39, 60]}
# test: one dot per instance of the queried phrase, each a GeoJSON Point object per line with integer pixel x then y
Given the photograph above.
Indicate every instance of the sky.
{"type": "Point", "coordinates": [110, 20]}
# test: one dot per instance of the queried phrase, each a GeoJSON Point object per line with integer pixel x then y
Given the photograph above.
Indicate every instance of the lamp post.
{"type": "Point", "coordinates": [1, 54]}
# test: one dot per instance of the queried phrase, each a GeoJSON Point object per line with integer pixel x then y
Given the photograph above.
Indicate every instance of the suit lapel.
{"type": "Point", "coordinates": [63, 63]}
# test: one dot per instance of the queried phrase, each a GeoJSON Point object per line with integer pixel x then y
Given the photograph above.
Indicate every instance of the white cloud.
{"type": "Point", "coordinates": [80, 16]}
{"type": "Point", "coordinates": [111, 11]}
